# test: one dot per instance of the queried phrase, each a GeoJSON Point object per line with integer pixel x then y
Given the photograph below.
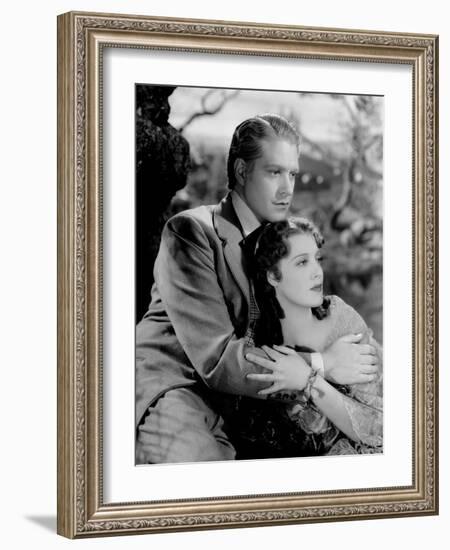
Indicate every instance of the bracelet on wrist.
{"type": "Point", "coordinates": [310, 383]}
{"type": "Point", "coordinates": [317, 363]}
{"type": "Point", "coordinates": [306, 392]}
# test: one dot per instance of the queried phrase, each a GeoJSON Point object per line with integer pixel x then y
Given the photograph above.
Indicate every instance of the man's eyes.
{"type": "Point", "coordinates": [277, 172]}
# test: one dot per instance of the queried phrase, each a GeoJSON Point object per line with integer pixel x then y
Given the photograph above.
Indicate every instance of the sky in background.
{"type": "Point", "coordinates": [320, 116]}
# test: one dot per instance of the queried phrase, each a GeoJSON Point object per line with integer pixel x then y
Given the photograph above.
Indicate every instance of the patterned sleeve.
{"type": "Point", "coordinates": [363, 402]}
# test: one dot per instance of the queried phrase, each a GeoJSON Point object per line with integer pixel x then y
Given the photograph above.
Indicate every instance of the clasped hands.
{"type": "Point", "coordinates": [346, 361]}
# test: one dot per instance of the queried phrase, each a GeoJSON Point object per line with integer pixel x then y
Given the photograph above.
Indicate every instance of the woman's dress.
{"type": "Point", "coordinates": [269, 429]}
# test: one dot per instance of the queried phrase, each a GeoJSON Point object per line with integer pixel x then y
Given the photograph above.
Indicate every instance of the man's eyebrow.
{"type": "Point", "coordinates": [281, 167]}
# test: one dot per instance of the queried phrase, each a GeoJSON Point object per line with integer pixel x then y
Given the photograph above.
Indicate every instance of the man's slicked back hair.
{"type": "Point", "coordinates": [246, 140]}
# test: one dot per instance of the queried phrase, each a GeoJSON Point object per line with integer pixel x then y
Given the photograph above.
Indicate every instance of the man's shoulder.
{"type": "Point", "coordinates": [193, 220]}
{"type": "Point", "coordinates": [200, 213]}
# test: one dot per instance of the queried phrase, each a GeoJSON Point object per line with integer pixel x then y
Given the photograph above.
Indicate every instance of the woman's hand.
{"type": "Point", "coordinates": [289, 371]}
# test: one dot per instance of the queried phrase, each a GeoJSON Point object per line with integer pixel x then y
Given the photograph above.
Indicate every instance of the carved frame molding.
{"type": "Point", "coordinates": [81, 37]}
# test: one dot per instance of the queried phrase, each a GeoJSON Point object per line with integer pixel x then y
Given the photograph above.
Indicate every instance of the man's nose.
{"type": "Point", "coordinates": [286, 186]}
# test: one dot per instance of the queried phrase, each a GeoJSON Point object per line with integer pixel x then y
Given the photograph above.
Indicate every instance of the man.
{"type": "Point", "coordinates": [191, 345]}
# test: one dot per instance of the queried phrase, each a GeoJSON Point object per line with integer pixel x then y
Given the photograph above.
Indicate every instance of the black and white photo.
{"type": "Point", "coordinates": [259, 221]}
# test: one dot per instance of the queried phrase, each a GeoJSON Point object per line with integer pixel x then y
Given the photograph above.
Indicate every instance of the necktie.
{"type": "Point", "coordinates": [248, 245]}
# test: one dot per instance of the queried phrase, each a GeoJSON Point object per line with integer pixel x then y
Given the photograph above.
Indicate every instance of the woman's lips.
{"type": "Point", "coordinates": [317, 288]}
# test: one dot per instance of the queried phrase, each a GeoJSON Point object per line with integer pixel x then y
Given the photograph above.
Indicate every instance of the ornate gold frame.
{"type": "Point", "coordinates": [81, 37]}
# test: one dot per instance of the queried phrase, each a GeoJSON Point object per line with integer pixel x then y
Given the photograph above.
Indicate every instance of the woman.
{"type": "Point", "coordinates": [295, 316]}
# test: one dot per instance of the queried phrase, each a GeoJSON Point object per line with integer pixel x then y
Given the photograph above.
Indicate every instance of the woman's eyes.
{"type": "Point", "coordinates": [305, 261]}
{"type": "Point", "coordinates": [301, 262]}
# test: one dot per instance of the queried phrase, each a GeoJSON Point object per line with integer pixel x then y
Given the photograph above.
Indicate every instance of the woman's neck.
{"type": "Point", "coordinates": [298, 322]}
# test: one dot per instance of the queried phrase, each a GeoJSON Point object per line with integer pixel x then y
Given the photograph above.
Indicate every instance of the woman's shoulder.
{"type": "Point", "coordinates": [345, 318]}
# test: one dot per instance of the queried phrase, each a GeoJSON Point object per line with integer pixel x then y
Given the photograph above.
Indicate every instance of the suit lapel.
{"type": "Point", "coordinates": [228, 229]}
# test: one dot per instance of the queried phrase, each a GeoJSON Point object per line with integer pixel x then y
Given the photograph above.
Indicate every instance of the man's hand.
{"type": "Point", "coordinates": [289, 371]}
{"type": "Point", "coordinates": [349, 362]}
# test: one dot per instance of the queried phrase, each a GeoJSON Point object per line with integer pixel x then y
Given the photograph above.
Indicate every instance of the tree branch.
{"type": "Point", "coordinates": [208, 111]}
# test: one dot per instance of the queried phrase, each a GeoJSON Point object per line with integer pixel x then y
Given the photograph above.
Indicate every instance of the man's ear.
{"type": "Point", "coordinates": [272, 280]}
{"type": "Point", "coordinates": [240, 171]}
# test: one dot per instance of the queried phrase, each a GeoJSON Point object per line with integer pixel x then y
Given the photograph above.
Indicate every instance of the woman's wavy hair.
{"type": "Point", "coordinates": [271, 246]}
{"type": "Point", "coordinates": [246, 140]}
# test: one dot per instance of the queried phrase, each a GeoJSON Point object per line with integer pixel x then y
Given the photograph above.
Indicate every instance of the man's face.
{"type": "Point", "coordinates": [268, 183]}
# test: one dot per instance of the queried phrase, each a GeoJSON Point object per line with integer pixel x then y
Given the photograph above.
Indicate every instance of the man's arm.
{"type": "Point", "coordinates": [186, 277]}
{"type": "Point", "coordinates": [185, 274]}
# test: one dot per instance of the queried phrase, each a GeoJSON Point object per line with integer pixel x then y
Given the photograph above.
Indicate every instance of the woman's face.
{"type": "Point", "coordinates": [301, 271]}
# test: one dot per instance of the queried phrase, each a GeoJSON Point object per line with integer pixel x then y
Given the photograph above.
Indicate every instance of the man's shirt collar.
{"type": "Point", "coordinates": [249, 222]}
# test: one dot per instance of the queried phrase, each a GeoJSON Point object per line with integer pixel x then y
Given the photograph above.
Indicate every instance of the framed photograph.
{"type": "Point", "coordinates": [247, 274]}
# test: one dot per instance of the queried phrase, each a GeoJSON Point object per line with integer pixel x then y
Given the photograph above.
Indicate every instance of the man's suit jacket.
{"type": "Point", "coordinates": [194, 330]}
